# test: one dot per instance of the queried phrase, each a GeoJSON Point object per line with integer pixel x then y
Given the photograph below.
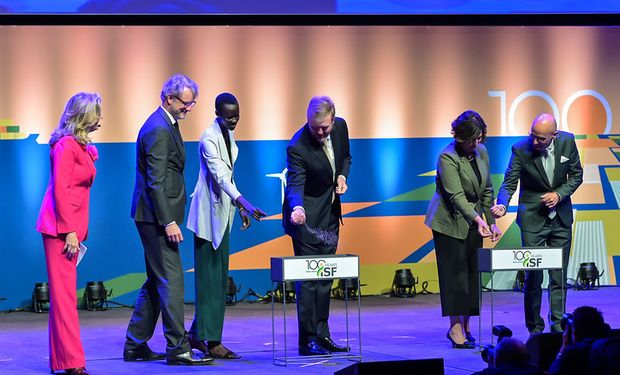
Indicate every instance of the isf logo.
{"type": "Point", "coordinates": [321, 268]}
{"type": "Point", "coordinates": [526, 259]}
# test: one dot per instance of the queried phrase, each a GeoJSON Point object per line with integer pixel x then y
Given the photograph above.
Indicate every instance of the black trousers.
{"type": "Point", "coordinates": [161, 292]}
{"type": "Point", "coordinates": [313, 296]}
{"type": "Point", "coordinates": [553, 234]}
{"type": "Point", "coordinates": [457, 266]}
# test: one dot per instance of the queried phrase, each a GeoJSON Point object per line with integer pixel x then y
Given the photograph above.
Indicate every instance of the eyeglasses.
{"type": "Point", "coordinates": [541, 139]}
{"type": "Point", "coordinates": [185, 104]}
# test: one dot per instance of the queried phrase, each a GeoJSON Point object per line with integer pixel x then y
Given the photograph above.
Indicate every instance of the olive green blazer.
{"type": "Point", "coordinates": [458, 197]}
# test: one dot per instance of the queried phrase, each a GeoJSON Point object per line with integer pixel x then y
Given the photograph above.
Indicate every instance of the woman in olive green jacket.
{"type": "Point", "coordinates": [464, 194]}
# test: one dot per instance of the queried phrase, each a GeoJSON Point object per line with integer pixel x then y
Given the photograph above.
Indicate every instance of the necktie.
{"type": "Point", "coordinates": [329, 152]}
{"type": "Point", "coordinates": [549, 165]}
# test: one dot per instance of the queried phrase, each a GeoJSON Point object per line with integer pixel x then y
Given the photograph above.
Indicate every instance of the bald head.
{"type": "Point", "coordinates": [544, 123]}
{"type": "Point", "coordinates": [543, 132]}
{"type": "Point", "coordinates": [510, 351]}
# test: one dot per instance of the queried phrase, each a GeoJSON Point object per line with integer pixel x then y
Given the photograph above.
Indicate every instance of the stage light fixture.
{"type": "Point", "coordinates": [231, 291]}
{"type": "Point", "coordinates": [285, 292]}
{"type": "Point", "coordinates": [587, 277]}
{"type": "Point", "coordinates": [95, 296]}
{"type": "Point", "coordinates": [403, 285]}
{"type": "Point", "coordinates": [40, 297]}
{"type": "Point", "coordinates": [346, 289]}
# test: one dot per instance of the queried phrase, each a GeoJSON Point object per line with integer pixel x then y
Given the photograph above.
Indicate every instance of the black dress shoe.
{"type": "Point", "coordinates": [188, 359]}
{"type": "Point", "coordinates": [142, 353]}
{"type": "Point", "coordinates": [470, 337]}
{"type": "Point", "coordinates": [312, 348]}
{"type": "Point", "coordinates": [465, 345]}
{"type": "Point", "coordinates": [197, 344]}
{"type": "Point", "coordinates": [328, 344]}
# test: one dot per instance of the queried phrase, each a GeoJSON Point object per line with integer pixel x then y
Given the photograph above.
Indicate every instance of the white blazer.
{"type": "Point", "coordinates": [212, 209]}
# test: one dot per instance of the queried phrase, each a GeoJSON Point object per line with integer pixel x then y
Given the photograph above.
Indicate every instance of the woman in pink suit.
{"type": "Point", "coordinates": [63, 223]}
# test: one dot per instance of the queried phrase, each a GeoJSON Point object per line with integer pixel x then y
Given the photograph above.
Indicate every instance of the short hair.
{"type": "Point", "coordinates": [588, 322]}
{"type": "Point", "coordinates": [469, 126]}
{"type": "Point", "coordinates": [510, 351]}
{"type": "Point", "coordinates": [175, 85]}
{"type": "Point", "coordinates": [320, 107]}
{"type": "Point", "coordinates": [223, 99]}
{"type": "Point", "coordinates": [82, 111]}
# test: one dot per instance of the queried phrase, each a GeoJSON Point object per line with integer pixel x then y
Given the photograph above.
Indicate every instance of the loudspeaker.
{"type": "Point", "coordinates": [543, 348]}
{"type": "Point", "coordinates": [431, 366]}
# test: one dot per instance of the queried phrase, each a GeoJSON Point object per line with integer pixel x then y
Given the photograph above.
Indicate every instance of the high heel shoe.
{"type": "Point", "coordinates": [465, 345]}
{"type": "Point", "coordinates": [470, 337]}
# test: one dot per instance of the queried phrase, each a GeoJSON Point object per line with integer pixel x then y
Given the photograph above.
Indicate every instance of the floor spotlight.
{"type": "Point", "coordinates": [95, 296]}
{"type": "Point", "coordinates": [231, 291]}
{"type": "Point", "coordinates": [285, 292]}
{"type": "Point", "coordinates": [346, 289]}
{"type": "Point", "coordinates": [403, 285]}
{"type": "Point", "coordinates": [40, 297]}
{"type": "Point", "coordinates": [588, 276]}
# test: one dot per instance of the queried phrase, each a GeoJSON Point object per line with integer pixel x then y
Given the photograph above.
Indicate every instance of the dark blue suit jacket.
{"type": "Point", "coordinates": [310, 182]}
{"type": "Point", "coordinates": [159, 193]}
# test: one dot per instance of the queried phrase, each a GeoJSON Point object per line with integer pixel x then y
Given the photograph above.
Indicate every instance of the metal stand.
{"type": "Point", "coordinates": [286, 359]}
{"type": "Point", "coordinates": [492, 260]}
{"type": "Point", "coordinates": [287, 269]}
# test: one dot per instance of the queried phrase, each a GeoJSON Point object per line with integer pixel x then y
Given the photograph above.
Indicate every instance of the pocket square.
{"type": "Point", "coordinates": [563, 159]}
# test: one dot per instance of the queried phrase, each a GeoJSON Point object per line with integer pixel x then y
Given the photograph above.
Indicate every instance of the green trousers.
{"type": "Point", "coordinates": [211, 281]}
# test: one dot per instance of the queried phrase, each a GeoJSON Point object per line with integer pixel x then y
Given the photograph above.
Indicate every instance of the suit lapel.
{"type": "Point", "coordinates": [557, 155]}
{"type": "Point", "coordinates": [221, 144]}
{"type": "Point", "coordinates": [234, 151]}
{"type": "Point", "coordinates": [317, 151]}
{"type": "Point", "coordinates": [482, 167]}
{"type": "Point", "coordinates": [175, 132]}
{"type": "Point", "coordinates": [537, 159]}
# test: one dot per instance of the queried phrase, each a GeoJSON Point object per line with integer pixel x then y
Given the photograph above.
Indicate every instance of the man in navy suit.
{"type": "Point", "coordinates": [318, 162]}
{"type": "Point", "coordinates": [158, 208]}
{"type": "Point", "coordinates": [548, 167]}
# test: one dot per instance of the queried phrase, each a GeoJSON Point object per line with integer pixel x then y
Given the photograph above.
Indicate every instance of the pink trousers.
{"type": "Point", "coordinates": [66, 349]}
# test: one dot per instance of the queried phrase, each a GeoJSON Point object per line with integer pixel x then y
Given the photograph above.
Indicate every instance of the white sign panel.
{"type": "Point", "coordinates": [519, 259]}
{"type": "Point", "coordinates": [314, 267]}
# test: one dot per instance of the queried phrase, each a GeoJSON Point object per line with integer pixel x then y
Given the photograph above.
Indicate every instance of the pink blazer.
{"type": "Point", "coordinates": [65, 205]}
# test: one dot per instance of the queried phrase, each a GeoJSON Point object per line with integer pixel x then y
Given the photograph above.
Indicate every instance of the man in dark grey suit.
{"type": "Point", "coordinates": [158, 208]}
{"type": "Point", "coordinates": [318, 162]}
{"type": "Point", "coordinates": [547, 165]}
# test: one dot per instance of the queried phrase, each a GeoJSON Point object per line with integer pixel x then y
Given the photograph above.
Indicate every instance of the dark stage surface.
{"type": "Point", "coordinates": [392, 329]}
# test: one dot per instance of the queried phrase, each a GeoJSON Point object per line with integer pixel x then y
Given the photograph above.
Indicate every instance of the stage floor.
{"type": "Point", "coordinates": [392, 329]}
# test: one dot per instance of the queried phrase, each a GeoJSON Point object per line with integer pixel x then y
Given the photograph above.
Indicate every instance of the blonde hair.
{"type": "Point", "coordinates": [82, 112]}
{"type": "Point", "coordinates": [320, 107]}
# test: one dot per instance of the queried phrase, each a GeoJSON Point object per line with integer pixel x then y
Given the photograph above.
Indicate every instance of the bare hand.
{"type": "Point", "coordinates": [483, 228]}
{"type": "Point", "coordinates": [173, 232]}
{"type": "Point", "coordinates": [246, 219]}
{"type": "Point", "coordinates": [71, 245]}
{"type": "Point", "coordinates": [255, 212]}
{"type": "Point", "coordinates": [298, 217]}
{"type": "Point", "coordinates": [498, 210]}
{"type": "Point", "coordinates": [341, 186]}
{"type": "Point", "coordinates": [550, 199]}
{"type": "Point", "coordinates": [496, 233]}
{"type": "Point", "coordinates": [567, 337]}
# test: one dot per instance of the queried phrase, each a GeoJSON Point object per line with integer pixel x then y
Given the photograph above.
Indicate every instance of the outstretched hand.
{"type": "Point", "coordinates": [496, 233]}
{"type": "Point", "coordinates": [255, 212]}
